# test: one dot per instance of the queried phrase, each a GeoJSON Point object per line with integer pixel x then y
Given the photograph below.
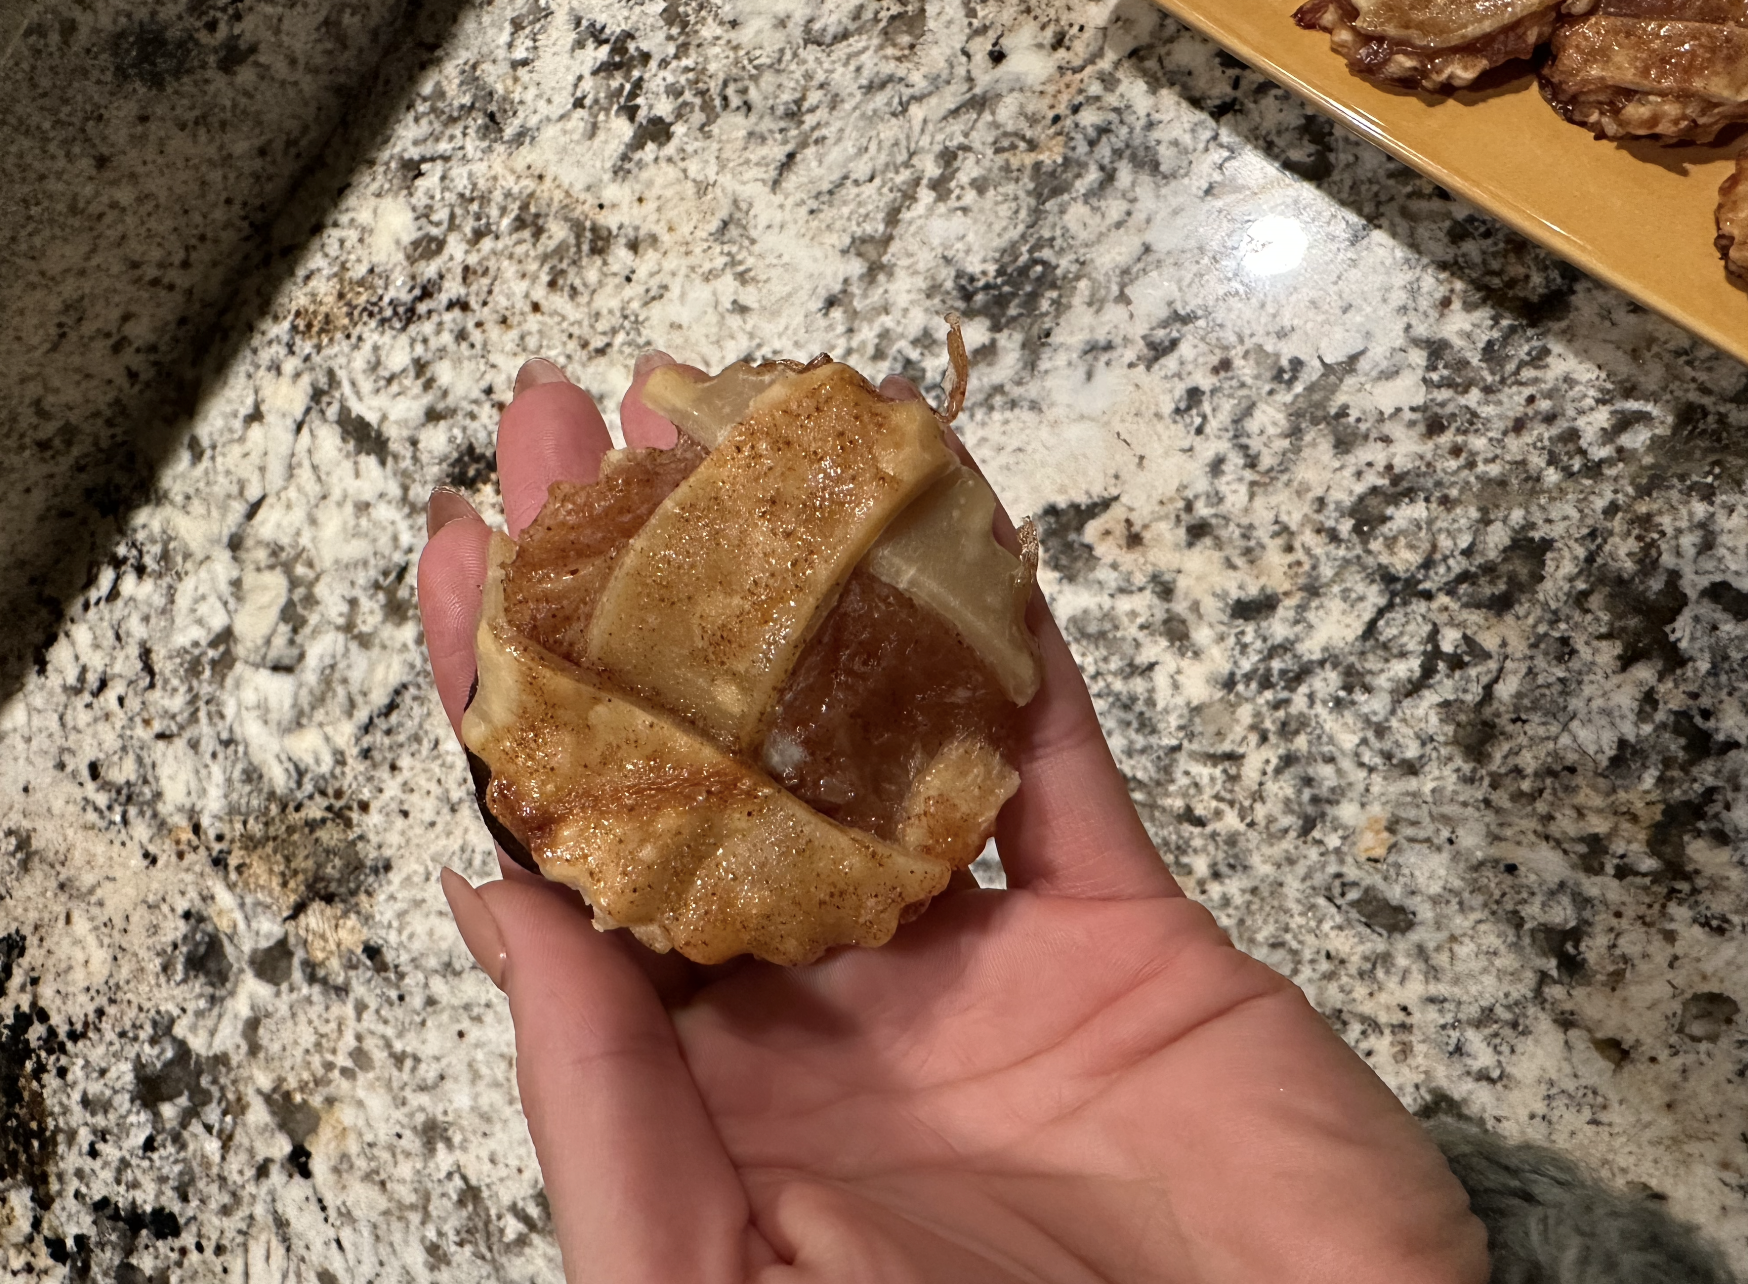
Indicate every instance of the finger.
{"type": "Point", "coordinates": [551, 431]}
{"type": "Point", "coordinates": [1072, 829]}
{"type": "Point", "coordinates": [675, 977]}
{"type": "Point", "coordinates": [640, 1186]}
{"type": "Point", "coordinates": [452, 575]}
{"type": "Point", "coordinates": [445, 505]}
{"type": "Point", "coordinates": [641, 426]}
{"type": "Point", "coordinates": [479, 930]}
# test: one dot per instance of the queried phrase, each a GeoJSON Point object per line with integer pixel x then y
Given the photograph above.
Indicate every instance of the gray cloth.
{"type": "Point", "coordinates": [1549, 1223]}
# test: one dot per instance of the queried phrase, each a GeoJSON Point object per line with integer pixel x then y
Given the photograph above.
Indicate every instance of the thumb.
{"type": "Point", "coordinates": [640, 1186]}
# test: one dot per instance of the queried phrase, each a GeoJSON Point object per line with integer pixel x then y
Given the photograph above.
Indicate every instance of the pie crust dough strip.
{"type": "Point", "coordinates": [941, 552]}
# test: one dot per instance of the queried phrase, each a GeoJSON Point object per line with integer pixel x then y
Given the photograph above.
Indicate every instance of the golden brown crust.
{"type": "Point", "coordinates": [1732, 240]}
{"type": "Point", "coordinates": [961, 367]}
{"type": "Point", "coordinates": [1435, 46]}
{"type": "Point", "coordinates": [1623, 76]}
{"type": "Point", "coordinates": [1729, 12]}
{"type": "Point", "coordinates": [940, 550]}
{"type": "Point", "coordinates": [951, 810]}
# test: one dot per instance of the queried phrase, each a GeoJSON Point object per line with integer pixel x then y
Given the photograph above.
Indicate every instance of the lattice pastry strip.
{"type": "Point", "coordinates": [712, 601]}
{"type": "Point", "coordinates": [1675, 70]}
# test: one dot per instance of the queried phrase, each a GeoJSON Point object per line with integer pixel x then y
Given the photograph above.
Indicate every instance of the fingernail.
{"type": "Point", "coordinates": [479, 930]}
{"type": "Point", "coordinates": [896, 387]}
{"type": "Point", "coordinates": [651, 360]}
{"type": "Point", "coordinates": [445, 506]}
{"type": "Point", "coordinates": [537, 370]}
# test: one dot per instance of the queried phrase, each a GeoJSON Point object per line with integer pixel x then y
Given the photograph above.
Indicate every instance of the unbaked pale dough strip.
{"type": "Point", "coordinates": [713, 599]}
{"type": "Point", "coordinates": [662, 831]}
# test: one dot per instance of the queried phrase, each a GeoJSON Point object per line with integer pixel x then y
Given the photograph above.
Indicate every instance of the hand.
{"type": "Point", "coordinates": [1076, 1079]}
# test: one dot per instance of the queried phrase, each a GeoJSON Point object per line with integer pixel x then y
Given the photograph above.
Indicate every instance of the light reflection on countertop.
{"type": "Point", "coordinates": [1274, 244]}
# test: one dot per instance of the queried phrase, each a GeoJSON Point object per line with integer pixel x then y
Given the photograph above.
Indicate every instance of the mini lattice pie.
{"type": "Point", "coordinates": [1674, 70]}
{"type": "Point", "coordinates": [1732, 241]}
{"type": "Point", "coordinates": [1430, 44]}
{"type": "Point", "coordinates": [756, 694]}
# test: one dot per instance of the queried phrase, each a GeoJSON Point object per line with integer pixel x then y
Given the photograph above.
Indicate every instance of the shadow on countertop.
{"type": "Point", "coordinates": [164, 161]}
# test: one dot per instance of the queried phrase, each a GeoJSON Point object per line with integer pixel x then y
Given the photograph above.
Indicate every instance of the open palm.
{"type": "Point", "coordinates": [1077, 1079]}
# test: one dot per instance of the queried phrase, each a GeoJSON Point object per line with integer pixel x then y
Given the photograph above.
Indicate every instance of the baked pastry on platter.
{"type": "Point", "coordinates": [756, 693]}
{"type": "Point", "coordinates": [1673, 70]}
{"type": "Point", "coordinates": [1732, 239]}
{"type": "Point", "coordinates": [1433, 45]}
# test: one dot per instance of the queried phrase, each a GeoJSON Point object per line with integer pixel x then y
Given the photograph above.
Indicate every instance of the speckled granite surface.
{"type": "Point", "coordinates": [163, 160]}
{"type": "Point", "coordinates": [1410, 568]}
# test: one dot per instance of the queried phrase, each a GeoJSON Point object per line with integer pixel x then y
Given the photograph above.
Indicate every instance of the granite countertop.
{"type": "Point", "coordinates": [1408, 565]}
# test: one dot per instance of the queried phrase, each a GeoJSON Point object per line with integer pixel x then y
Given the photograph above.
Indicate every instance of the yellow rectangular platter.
{"type": "Point", "coordinates": [1635, 215]}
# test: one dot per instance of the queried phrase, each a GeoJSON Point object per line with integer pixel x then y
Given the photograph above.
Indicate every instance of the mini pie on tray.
{"type": "Point", "coordinates": [1732, 241]}
{"type": "Point", "coordinates": [1430, 44]}
{"type": "Point", "coordinates": [756, 693]}
{"type": "Point", "coordinates": [1673, 70]}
